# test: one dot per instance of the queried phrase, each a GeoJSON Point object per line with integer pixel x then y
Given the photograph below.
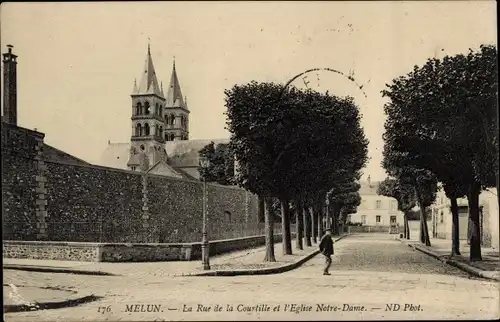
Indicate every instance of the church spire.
{"type": "Point", "coordinates": [135, 90]}
{"type": "Point", "coordinates": [149, 82]}
{"type": "Point", "coordinates": [174, 94]}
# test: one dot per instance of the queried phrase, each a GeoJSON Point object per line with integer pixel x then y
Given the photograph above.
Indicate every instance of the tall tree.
{"type": "Point", "coordinates": [443, 120]}
{"type": "Point", "coordinates": [221, 169]}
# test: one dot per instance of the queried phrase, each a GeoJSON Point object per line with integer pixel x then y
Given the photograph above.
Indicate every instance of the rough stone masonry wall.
{"type": "Point", "coordinates": [19, 172]}
{"type": "Point", "coordinates": [57, 201]}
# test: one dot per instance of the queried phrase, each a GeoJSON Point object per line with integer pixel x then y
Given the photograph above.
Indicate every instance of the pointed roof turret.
{"type": "Point", "coordinates": [161, 89]}
{"type": "Point", "coordinates": [149, 82]}
{"type": "Point", "coordinates": [135, 90]}
{"type": "Point", "coordinates": [174, 93]}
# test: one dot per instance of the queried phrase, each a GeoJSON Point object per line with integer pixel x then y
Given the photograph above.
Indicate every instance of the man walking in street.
{"type": "Point", "coordinates": [326, 248]}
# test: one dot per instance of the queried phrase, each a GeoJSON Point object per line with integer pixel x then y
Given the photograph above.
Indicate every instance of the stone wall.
{"type": "Point", "coordinates": [19, 173]}
{"type": "Point", "coordinates": [60, 201]}
{"type": "Point", "coordinates": [84, 252]}
{"type": "Point", "coordinates": [125, 252]}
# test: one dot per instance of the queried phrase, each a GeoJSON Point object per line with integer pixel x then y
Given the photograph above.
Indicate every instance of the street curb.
{"type": "Point", "coordinates": [47, 269]}
{"type": "Point", "coordinates": [260, 271]}
{"type": "Point", "coordinates": [462, 266]}
{"type": "Point", "coordinates": [11, 308]}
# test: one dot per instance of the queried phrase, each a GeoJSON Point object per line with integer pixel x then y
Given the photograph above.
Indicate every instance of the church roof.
{"type": "Point", "coordinates": [116, 155]}
{"type": "Point", "coordinates": [185, 153]}
{"type": "Point", "coordinates": [174, 93]}
{"type": "Point", "coordinates": [149, 81]}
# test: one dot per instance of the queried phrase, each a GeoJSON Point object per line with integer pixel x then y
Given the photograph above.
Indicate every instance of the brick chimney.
{"type": "Point", "coordinates": [10, 87]}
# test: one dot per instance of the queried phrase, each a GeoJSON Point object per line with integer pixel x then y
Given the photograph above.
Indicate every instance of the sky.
{"type": "Point", "coordinates": [77, 61]}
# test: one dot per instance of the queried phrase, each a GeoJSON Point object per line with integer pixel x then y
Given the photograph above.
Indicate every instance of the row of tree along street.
{"type": "Point", "coordinates": [442, 127]}
{"type": "Point", "coordinates": [301, 148]}
{"type": "Point", "coordinates": [302, 152]}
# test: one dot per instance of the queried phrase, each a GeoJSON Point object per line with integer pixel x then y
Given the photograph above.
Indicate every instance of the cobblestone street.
{"type": "Point", "coordinates": [369, 272]}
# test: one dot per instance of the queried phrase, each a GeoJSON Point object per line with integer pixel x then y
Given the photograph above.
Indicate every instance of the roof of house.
{"type": "Point", "coordinates": [52, 154]}
{"type": "Point", "coordinates": [368, 188]}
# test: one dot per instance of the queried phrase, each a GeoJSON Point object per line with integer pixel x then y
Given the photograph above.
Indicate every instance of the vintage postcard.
{"type": "Point", "coordinates": [250, 160]}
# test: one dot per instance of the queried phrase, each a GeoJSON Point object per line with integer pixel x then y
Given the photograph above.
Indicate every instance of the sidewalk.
{"type": "Point", "coordinates": [244, 262]}
{"type": "Point", "coordinates": [440, 249]}
{"type": "Point", "coordinates": [17, 298]}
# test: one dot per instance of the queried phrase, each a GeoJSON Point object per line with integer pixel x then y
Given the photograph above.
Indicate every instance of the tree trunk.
{"type": "Point", "coordinates": [475, 238]}
{"type": "Point", "coordinates": [405, 232]}
{"type": "Point", "coordinates": [320, 224]}
{"type": "Point", "coordinates": [269, 231]}
{"type": "Point", "coordinates": [455, 229]}
{"type": "Point", "coordinates": [407, 226]}
{"type": "Point", "coordinates": [313, 224]}
{"type": "Point", "coordinates": [299, 226]}
{"type": "Point", "coordinates": [336, 217]}
{"type": "Point", "coordinates": [424, 232]}
{"type": "Point", "coordinates": [261, 210]}
{"type": "Point", "coordinates": [285, 227]}
{"type": "Point", "coordinates": [307, 224]}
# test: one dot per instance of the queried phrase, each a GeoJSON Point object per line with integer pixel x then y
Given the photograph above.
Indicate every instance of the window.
{"type": "Point", "coordinates": [377, 219]}
{"type": "Point", "coordinates": [161, 131]}
{"type": "Point", "coordinates": [146, 129]}
{"type": "Point", "coordinates": [227, 214]}
{"type": "Point", "coordinates": [363, 219]}
{"type": "Point", "coordinates": [172, 119]}
{"type": "Point", "coordinates": [138, 130]}
{"type": "Point", "coordinates": [167, 120]}
{"type": "Point", "coordinates": [441, 217]}
{"type": "Point", "coordinates": [146, 107]}
{"type": "Point", "coordinates": [142, 147]}
{"type": "Point", "coordinates": [172, 136]}
{"type": "Point", "coordinates": [157, 109]}
{"type": "Point", "coordinates": [378, 204]}
{"type": "Point", "coordinates": [138, 109]}
{"type": "Point", "coordinates": [393, 205]}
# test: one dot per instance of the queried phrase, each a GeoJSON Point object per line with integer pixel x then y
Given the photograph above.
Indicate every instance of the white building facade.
{"type": "Point", "coordinates": [376, 210]}
{"type": "Point", "coordinates": [442, 221]}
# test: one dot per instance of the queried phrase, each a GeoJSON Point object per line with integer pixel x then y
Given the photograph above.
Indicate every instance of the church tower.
{"type": "Point", "coordinates": [176, 112]}
{"type": "Point", "coordinates": [148, 124]}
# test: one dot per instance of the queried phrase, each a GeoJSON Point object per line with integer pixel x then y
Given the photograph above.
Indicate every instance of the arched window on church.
{"type": "Point", "coordinates": [146, 129]}
{"type": "Point", "coordinates": [157, 109]}
{"type": "Point", "coordinates": [172, 136]}
{"type": "Point", "coordinates": [167, 119]}
{"type": "Point", "coordinates": [146, 108]}
{"type": "Point", "coordinates": [138, 109]}
{"type": "Point", "coordinates": [172, 119]}
{"type": "Point", "coordinates": [167, 137]}
{"type": "Point", "coordinates": [161, 131]}
{"type": "Point", "coordinates": [138, 129]}
{"type": "Point", "coordinates": [161, 110]}
{"type": "Point", "coordinates": [182, 121]}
